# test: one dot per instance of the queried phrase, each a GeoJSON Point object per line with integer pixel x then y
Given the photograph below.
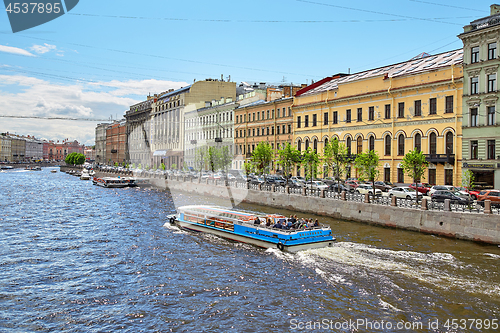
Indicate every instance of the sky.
{"type": "Point", "coordinates": [60, 79]}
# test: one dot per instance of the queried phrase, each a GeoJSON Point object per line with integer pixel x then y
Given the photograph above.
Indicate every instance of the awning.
{"type": "Point", "coordinates": [160, 153]}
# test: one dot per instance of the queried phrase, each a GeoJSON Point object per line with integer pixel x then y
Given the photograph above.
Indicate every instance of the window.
{"type": "Point", "coordinates": [272, 114]}
{"type": "Point", "coordinates": [371, 143]}
{"type": "Point", "coordinates": [388, 145]}
{"type": "Point", "coordinates": [289, 128]}
{"type": "Point", "coordinates": [473, 117]}
{"type": "Point", "coordinates": [298, 122]}
{"type": "Point", "coordinates": [299, 145]}
{"type": "Point", "coordinates": [401, 145]}
{"type": "Point", "coordinates": [492, 82]}
{"type": "Point", "coordinates": [325, 118]}
{"type": "Point", "coordinates": [267, 131]}
{"type": "Point", "coordinates": [401, 175]}
{"type": "Point", "coordinates": [432, 106]}
{"type": "Point", "coordinates": [433, 143]}
{"type": "Point", "coordinates": [289, 112]}
{"type": "Point", "coordinates": [326, 142]}
{"type": "Point", "coordinates": [371, 113]}
{"type": "Point", "coordinates": [418, 142]}
{"type": "Point", "coordinates": [492, 51]}
{"type": "Point", "coordinates": [267, 114]}
{"type": "Point", "coordinates": [307, 145]}
{"type": "Point", "coordinates": [254, 116]}
{"type": "Point", "coordinates": [314, 120]}
{"type": "Point", "coordinates": [348, 116]}
{"type": "Point", "coordinates": [448, 104]}
{"type": "Point", "coordinates": [277, 130]}
{"type": "Point", "coordinates": [360, 114]}
{"type": "Point", "coordinates": [474, 54]}
{"type": "Point", "coordinates": [491, 115]}
{"type": "Point", "coordinates": [401, 110]}
{"type": "Point", "coordinates": [449, 143]}
{"type": "Point", "coordinates": [359, 145]}
{"type": "Point", "coordinates": [263, 114]}
{"type": "Point", "coordinates": [315, 146]}
{"type": "Point", "coordinates": [348, 145]}
{"type": "Point", "coordinates": [418, 108]}
{"type": "Point", "coordinates": [432, 176]}
{"type": "Point", "coordinates": [272, 130]}
{"type": "Point", "coordinates": [474, 85]}
{"type": "Point", "coordinates": [491, 149]}
{"type": "Point", "coordinates": [258, 115]}
{"type": "Point", "coordinates": [258, 132]}
{"type": "Point", "coordinates": [473, 150]}
{"type": "Point", "coordinates": [387, 111]}
{"type": "Point", "coordinates": [306, 121]}
{"type": "Point", "coordinates": [278, 113]}
{"type": "Point", "coordinates": [335, 118]}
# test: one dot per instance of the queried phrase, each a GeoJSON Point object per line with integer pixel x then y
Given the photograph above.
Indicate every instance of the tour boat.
{"type": "Point", "coordinates": [110, 182]}
{"type": "Point", "coordinates": [34, 168]}
{"type": "Point", "coordinates": [239, 226]}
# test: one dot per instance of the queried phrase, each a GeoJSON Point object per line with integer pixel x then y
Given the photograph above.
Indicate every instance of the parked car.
{"type": "Point", "coordinates": [441, 188]}
{"type": "Point", "coordinates": [383, 186]}
{"type": "Point", "coordinates": [493, 195]}
{"type": "Point", "coordinates": [338, 188]}
{"type": "Point", "coordinates": [403, 192]}
{"type": "Point", "coordinates": [296, 183]}
{"type": "Point", "coordinates": [423, 188]}
{"type": "Point", "coordinates": [316, 185]}
{"type": "Point", "coordinates": [366, 188]}
{"type": "Point", "coordinates": [298, 178]}
{"type": "Point", "coordinates": [442, 195]}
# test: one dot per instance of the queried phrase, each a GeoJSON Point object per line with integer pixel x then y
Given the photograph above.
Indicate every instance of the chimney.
{"type": "Point", "coordinates": [494, 9]}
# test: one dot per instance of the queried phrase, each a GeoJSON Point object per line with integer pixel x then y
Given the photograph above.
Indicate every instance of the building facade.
{"type": "Point", "coordinates": [168, 122]}
{"type": "Point", "coordinates": [18, 149]}
{"type": "Point", "coordinates": [5, 148]}
{"type": "Point", "coordinates": [100, 143]}
{"type": "Point", "coordinates": [34, 149]}
{"type": "Point", "coordinates": [138, 122]}
{"type": "Point", "coordinates": [391, 110]}
{"type": "Point", "coordinates": [211, 126]}
{"type": "Point", "coordinates": [116, 137]}
{"type": "Point", "coordinates": [262, 121]}
{"type": "Point", "coordinates": [481, 130]}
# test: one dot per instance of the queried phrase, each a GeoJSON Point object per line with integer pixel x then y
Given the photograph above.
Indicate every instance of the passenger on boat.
{"type": "Point", "coordinates": [310, 224]}
{"type": "Point", "coordinates": [257, 221]}
{"type": "Point", "coordinates": [289, 224]}
{"type": "Point", "coordinates": [316, 223]}
{"type": "Point", "coordinates": [268, 222]}
{"type": "Point", "coordinates": [278, 225]}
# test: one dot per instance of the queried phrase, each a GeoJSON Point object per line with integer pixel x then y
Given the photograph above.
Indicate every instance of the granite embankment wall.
{"type": "Point", "coordinates": [468, 226]}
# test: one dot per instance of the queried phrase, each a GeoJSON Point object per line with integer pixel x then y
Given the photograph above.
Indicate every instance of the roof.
{"type": "Point", "coordinates": [175, 92]}
{"type": "Point", "coordinates": [409, 67]}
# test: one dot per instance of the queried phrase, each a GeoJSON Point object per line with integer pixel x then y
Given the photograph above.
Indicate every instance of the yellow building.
{"type": "Point", "coordinates": [391, 110]}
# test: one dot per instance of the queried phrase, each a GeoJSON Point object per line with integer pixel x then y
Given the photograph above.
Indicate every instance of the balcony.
{"type": "Point", "coordinates": [440, 158]}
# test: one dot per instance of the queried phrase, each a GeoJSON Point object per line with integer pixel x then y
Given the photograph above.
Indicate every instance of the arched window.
{"type": "Point", "coordinates": [326, 142]}
{"type": "Point", "coordinates": [348, 146]}
{"type": "Point", "coordinates": [315, 145]}
{"type": "Point", "coordinates": [449, 143]}
{"type": "Point", "coordinates": [401, 145]}
{"type": "Point", "coordinates": [299, 145]}
{"type": "Point", "coordinates": [371, 143]}
{"type": "Point", "coordinates": [418, 142]}
{"type": "Point", "coordinates": [359, 145]}
{"type": "Point", "coordinates": [387, 145]}
{"type": "Point", "coordinates": [307, 144]}
{"type": "Point", "coordinates": [433, 143]}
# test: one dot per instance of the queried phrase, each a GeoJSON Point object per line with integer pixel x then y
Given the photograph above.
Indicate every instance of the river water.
{"type": "Point", "coordinates": [80, 258]}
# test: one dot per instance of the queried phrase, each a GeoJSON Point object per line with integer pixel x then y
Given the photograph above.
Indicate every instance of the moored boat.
{"type": "Point", "coordinates": [110, 182]}
{"type": "Point", "coordinates": [85, 175]}
{"type": "Point", "coordinates": [251, 228]}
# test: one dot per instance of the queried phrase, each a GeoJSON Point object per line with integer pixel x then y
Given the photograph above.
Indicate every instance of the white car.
{"type": "Point", "coordinates": [366, 188]}
{"type": "Point", "coordinates": [316, 185]}
{"type": "Point", "coordinates": [403, 192]}
{"type": "Point", "coordinates": [440, 188]}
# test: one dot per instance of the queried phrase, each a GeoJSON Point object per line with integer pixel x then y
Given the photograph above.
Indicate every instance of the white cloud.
{"type": "Point", "coordinates": [29, 96]}
{"type": "Point", "coordinates": [15, 50]}
{"type": "Point", "coordinates": [41, 49]}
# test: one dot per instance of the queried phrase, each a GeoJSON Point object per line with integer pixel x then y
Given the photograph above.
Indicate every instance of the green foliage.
{"type": "Point", "coordinates": [367, 166]}
{"type": "Point", "coordinates": [262, 156]}
{"type": "Point", "coordinates": [75, 159]}
{"type": "Point", "coordinates": [288, 157]}
{"type": "Point", "coordinates": [162, 166]}
{"type": "Point", "coordinates": [310, 162]}
{"type": "Point", "coordinates": [173, 166]}
{"type": "Point", "coordinates": [199, 158]}
{"type": "Point", "coordinates": [335, 157]}
{"type": "Point", "coordinates": [414, 165]}
{"type": "Point", "coordinates": [116, 164]}
{"type": "Point", "coordinates": [468, 179]}
{"type": "Point", "coordinates": [139, 166]}
{"type": "Point", "coordinates": [248, 167]}
{"type": "Point", "coordinates": [133, 165]}
{"type": "Point", "coordinates": [212, 158]}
